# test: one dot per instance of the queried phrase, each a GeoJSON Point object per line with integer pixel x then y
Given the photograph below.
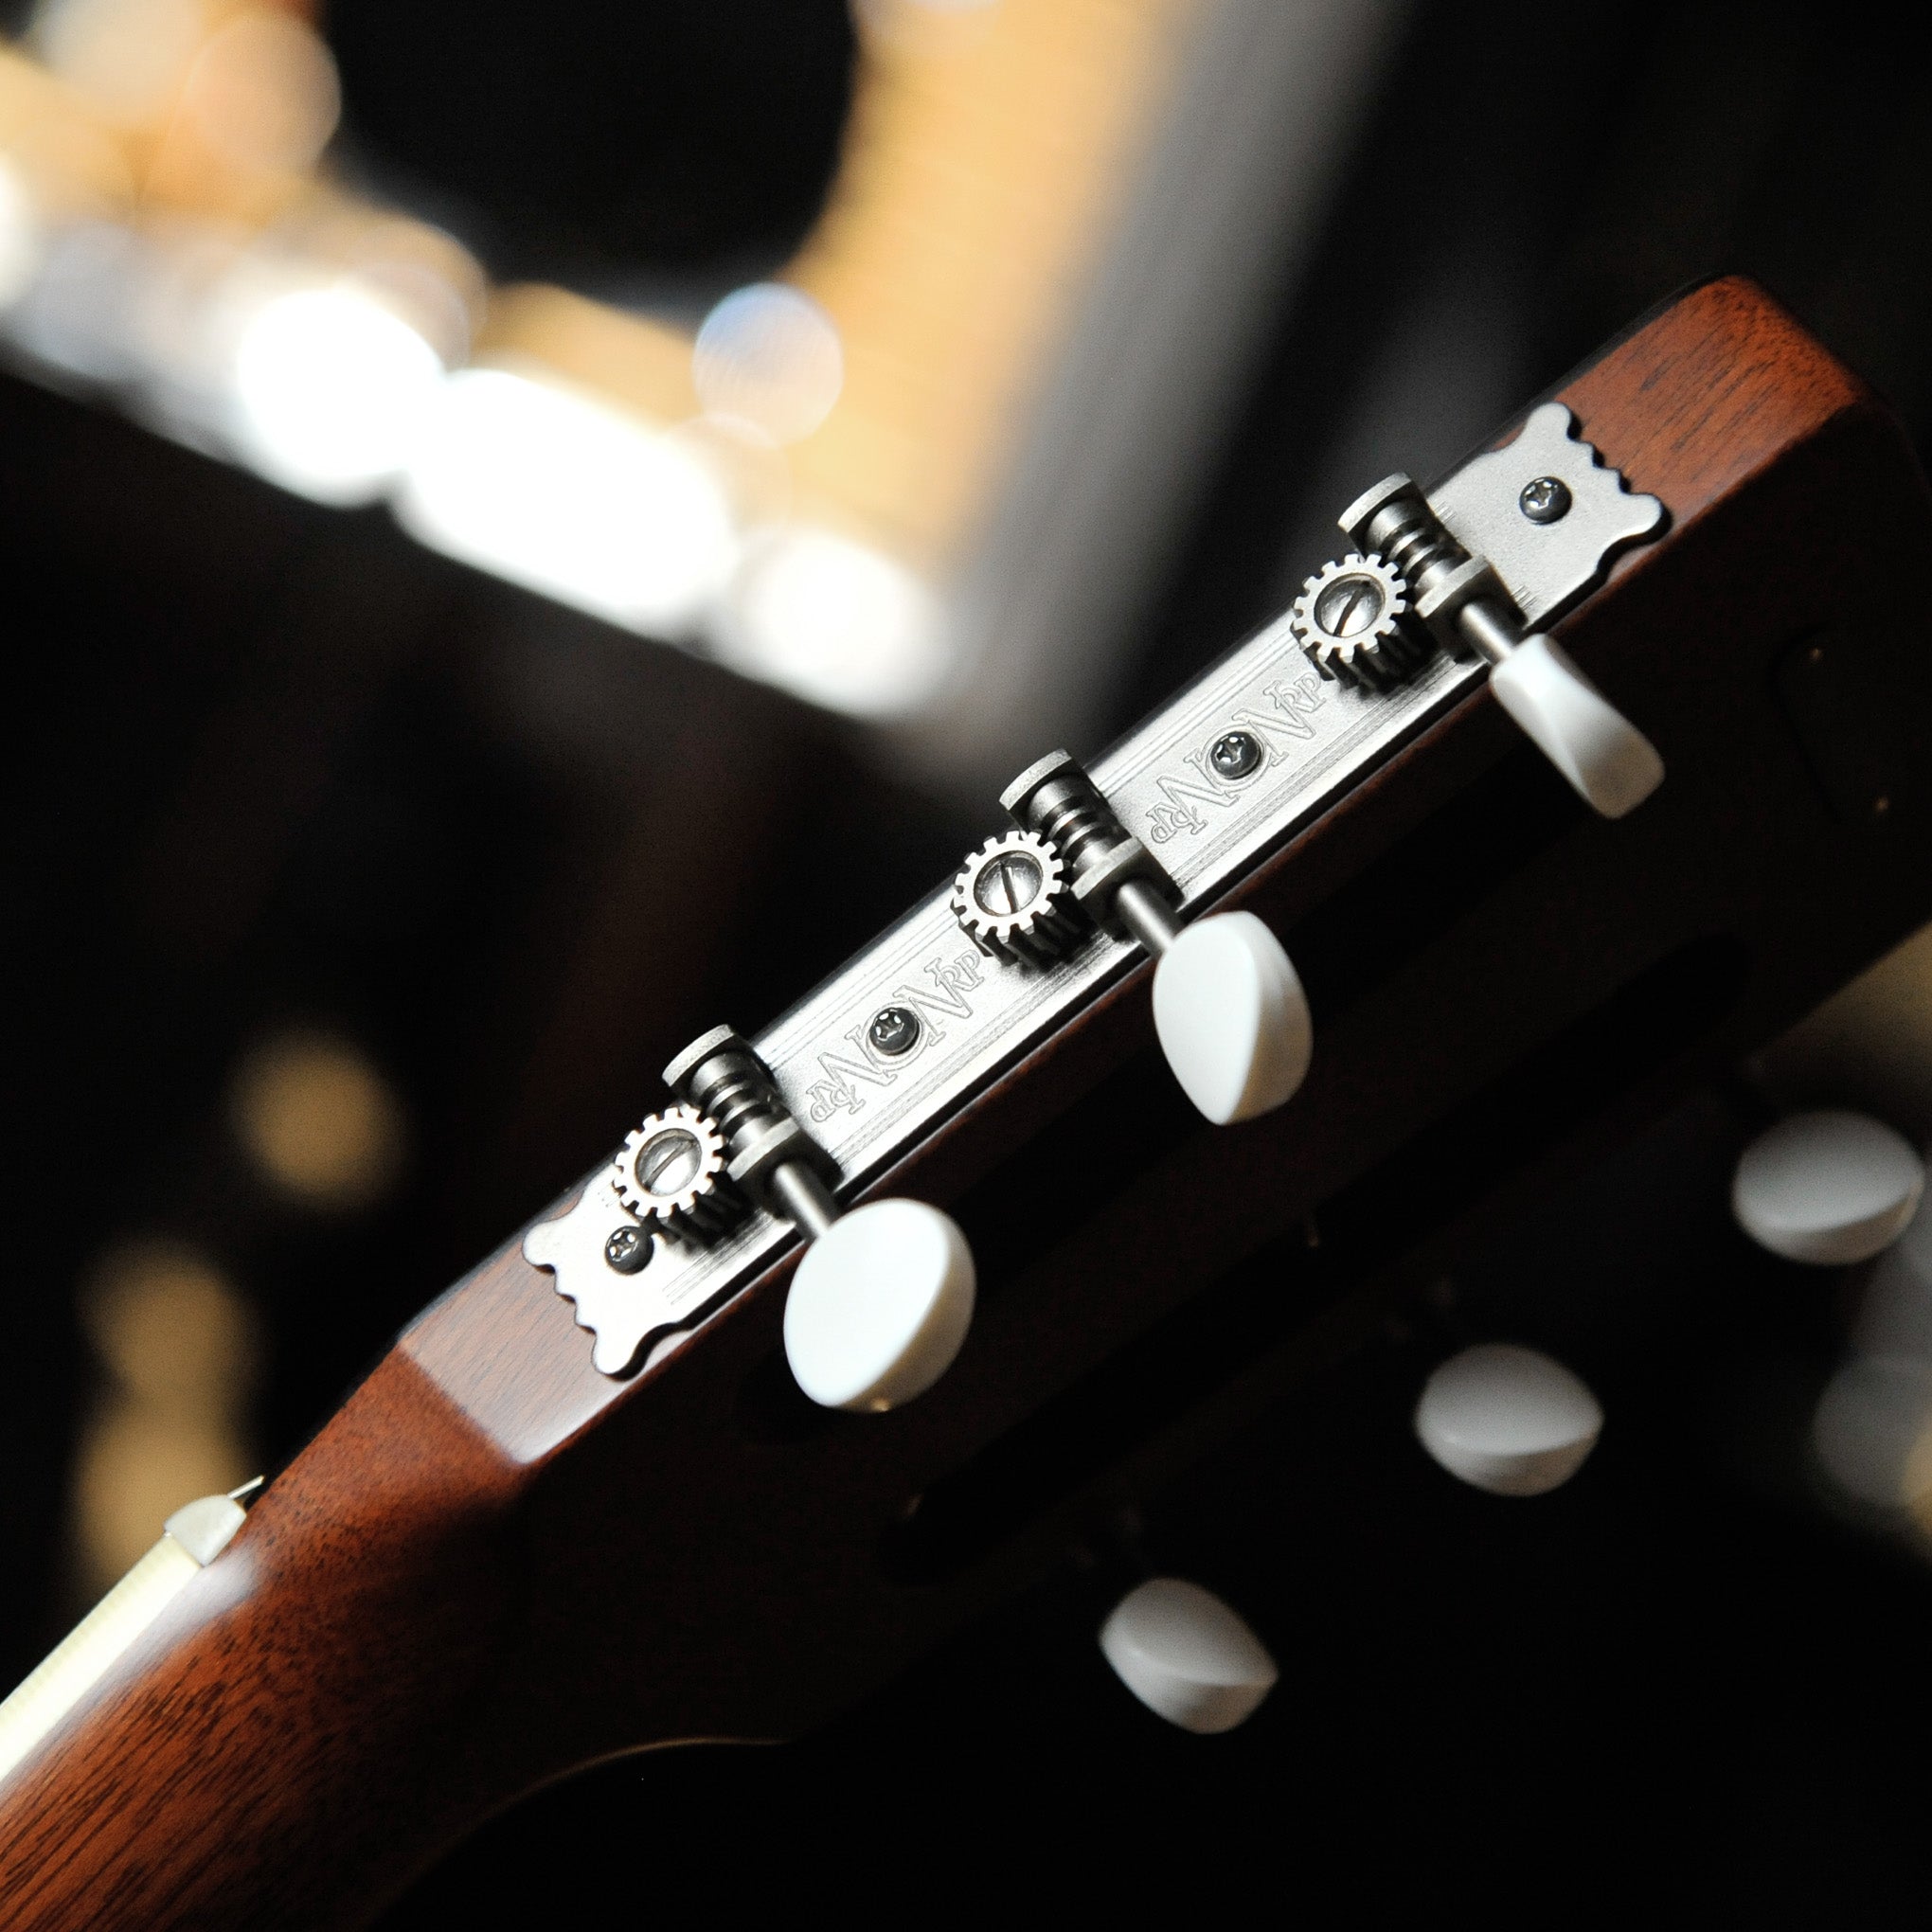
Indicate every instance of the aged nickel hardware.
{"type": "Point", "coordinates": [1116, 882]}
{"type": "Point", "coordinates": [1236, 754]}
{"type": "Point", "coordinates": [867, 1086]}
{"type": "Point", "coordinates": [881, 1303]}
{"type": "Point", "coordinates": [1438, 562]}
{"type": "Point", "coordinates": [1545, 499]}
{"type": "Point", "coordinates": [1604, 757]}
{"type": "Point", "coordinates": [627, 1248]}
{"type": "Point", "coordinates": [894, 1031]}
{"type": "Point", "coordinates": [1546, 511]}
{"type": "Point", "coordinates": [1013, 901]}
{"type": "Point", "coordinates": [670, 1175]}
{"type": "Point", "coordinates": [772, 1158]}
{"type": "Point", "coordinates": [1229, 1008]}
{"type": "Point", "coordinates": [1353, 620]}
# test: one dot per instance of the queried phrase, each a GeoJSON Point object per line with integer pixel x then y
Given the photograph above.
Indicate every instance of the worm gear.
{"type": "Point", "coordinates": [1013, 899]}
{"type": "Point", "coordinates": [1352, 619]}
{"type": "Point", "coordinates": [671, 1176]}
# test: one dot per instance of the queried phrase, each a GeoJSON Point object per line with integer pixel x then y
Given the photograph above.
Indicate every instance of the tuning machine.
{"type": "Point", "coordinates": [1188, 1656]}
{"type": "Point", "coordinates": [1831, 1188]}
{"type": "Point", "coordinates": [1544, 505]}
{"type": "Point", "coordinates": [1228, 1006]}
{"type": "Point", "coordinates": [1508, 1419]}
{"type": "Point", "coordinates": [882, 1297]}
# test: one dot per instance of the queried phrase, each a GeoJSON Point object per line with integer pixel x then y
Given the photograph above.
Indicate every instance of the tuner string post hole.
{"type": "Point", "coordinates": [671, 1177]}
{"type": "Point", "coordinates": [1228, 1008]}
{"type": "Point", "coordinates": [882, 1297]}
{"type": "Point", "coordinates": [1014, 899]}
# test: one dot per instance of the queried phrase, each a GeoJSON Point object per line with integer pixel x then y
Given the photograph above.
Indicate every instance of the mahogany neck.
{"type": "Point", "coordinates": [314, 1717]}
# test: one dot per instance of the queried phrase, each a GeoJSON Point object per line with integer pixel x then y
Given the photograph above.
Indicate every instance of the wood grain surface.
{"type": "Point", "coordinates": [495, 1566]}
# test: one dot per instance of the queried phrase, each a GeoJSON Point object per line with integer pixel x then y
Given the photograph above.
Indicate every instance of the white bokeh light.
{"type": "Point", "coordinates": [329, 385]}
{"type": "Point", "coordinates": [128, 55]}
{"type": "Point", "coordinates": [837, 623]}
{"type": "Point", "coordinates": [541, 485]}
{"type": "Point", "coordinates": [20, 234]}
{"type": "Point", "coordinates": [769, 357]}
{"type": "Point", "coordinates": [263, 92]}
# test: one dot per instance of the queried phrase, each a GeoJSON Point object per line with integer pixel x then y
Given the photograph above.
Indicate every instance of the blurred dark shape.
{"type": "Point", "coordinates": [612, 145]}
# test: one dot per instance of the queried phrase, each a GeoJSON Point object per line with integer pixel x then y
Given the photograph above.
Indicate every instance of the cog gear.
{"type": "Point", "coordinates": [671, 1176]}
{"type": "Point", "coordinates": [1351, 618]}
{"type": "Point", "coordinates": [1013, 901]}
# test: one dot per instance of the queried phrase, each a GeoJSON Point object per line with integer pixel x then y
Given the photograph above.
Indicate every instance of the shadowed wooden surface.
{"type": "Point", "coordinates": [495, 1566]}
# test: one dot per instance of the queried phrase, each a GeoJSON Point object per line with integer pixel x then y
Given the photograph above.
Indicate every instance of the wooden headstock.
{"type": "Point", "coordinates": [495, 1564]}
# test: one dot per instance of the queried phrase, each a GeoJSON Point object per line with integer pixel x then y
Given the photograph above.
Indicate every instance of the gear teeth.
{"type": "Point", "coordinates": [1037, 928]}
{"type": "Point", "coordinates": [683, 1190]}
{"type": "Point", "coordinates": [1379, 655]}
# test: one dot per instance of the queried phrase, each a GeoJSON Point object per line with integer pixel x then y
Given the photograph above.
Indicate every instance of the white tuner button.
{"type": "Point", "coordinates": [1828, 1187]}
{"type": "Point", "coordinates": [1508, 1419]}
{"type": "Point", "coordinates": [880, 1306]}
{"type": "Point", "coordinates": [1605, 757]}
{"type": "Point", "coordinates": [1187, 1655]}
{"type": "Point", "coordinates": [1233, 1018]}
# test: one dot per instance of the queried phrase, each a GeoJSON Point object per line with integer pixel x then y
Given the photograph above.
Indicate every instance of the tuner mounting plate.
{"type": "Point", "coordinates": [1495, 508]}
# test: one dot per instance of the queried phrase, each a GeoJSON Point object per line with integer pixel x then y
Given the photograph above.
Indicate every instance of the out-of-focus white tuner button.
{"type": "Point", "coordinates": [880, 1306]}
{"type": "Point", "coordinates": [1187, 1655]}
{"type": "Point", "coordinates": [1508, 1419]}
{"type": "Point", "coordinates": [1829, 1187]}
{"type": "Point", "coordinates": [1231, 1018]}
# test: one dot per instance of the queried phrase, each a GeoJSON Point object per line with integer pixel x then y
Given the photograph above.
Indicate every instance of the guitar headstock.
{"type": "Point", "coordinates": [593, 1494]}
{"type": "Point", "coordinates": [1488, 965]}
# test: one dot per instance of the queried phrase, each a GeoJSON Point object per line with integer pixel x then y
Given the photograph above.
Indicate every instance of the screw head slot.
{"type": "Point", "coordinates": [1350, 606]}
{"type": "Point", "coordinates": [668, 1162]}
{"type": "Point", "coordinates": [1009, 883]}
{"type": "Point", "coordinates": [1236, 754]}
{"type": "Point", "coordinates": [670, 1175]}
{"type": "Point", "coordinates": [894, 1031]}
{"type": "Point", "coordinates": [627, 1249]}
{"type": "Point", "coordinates": [1010, 897]}
{"type": "Point", "coordinates": [1545, 499]}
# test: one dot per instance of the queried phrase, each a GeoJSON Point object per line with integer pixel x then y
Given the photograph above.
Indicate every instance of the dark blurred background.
{"type": "Point", "coordinates": [360, 878]}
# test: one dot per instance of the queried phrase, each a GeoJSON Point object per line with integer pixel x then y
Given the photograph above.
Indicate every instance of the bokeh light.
{"type": "Point", "coordinates": [525, 477]}
{"type": "Point", "coordinates": [129, 56]}
{"type": "Point", "coordinates": [319, 1122]}
{"type": "Point", "coordinates": [264, 93]}
{"type": "Point", "coordinates": [19, 234]}
{"type": "Point", "coordinates": [837, 623]}
{"type": "Point", "coordinates": [769, 357]}
{"type": "Point", "coordinates": [179, 1355]}
{"type": "Point", "coordinates": [330, 386]}
{"type": "Point", "coordinates": [1869, 1429]}
{"type": "Point", "coordinates": [75, 316]}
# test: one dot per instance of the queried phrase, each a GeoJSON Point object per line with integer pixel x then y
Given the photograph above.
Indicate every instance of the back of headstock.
{"type": "Point", "coordinates": [497, 1564]}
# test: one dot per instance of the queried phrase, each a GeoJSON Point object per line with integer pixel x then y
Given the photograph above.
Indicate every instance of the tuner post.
{"type": "Point", "coordinates": [1116, 881]}
{"type": "Point", "coordinates": [768, 1154]}
{"type": "Point", "coordinates": [1459, 597]}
